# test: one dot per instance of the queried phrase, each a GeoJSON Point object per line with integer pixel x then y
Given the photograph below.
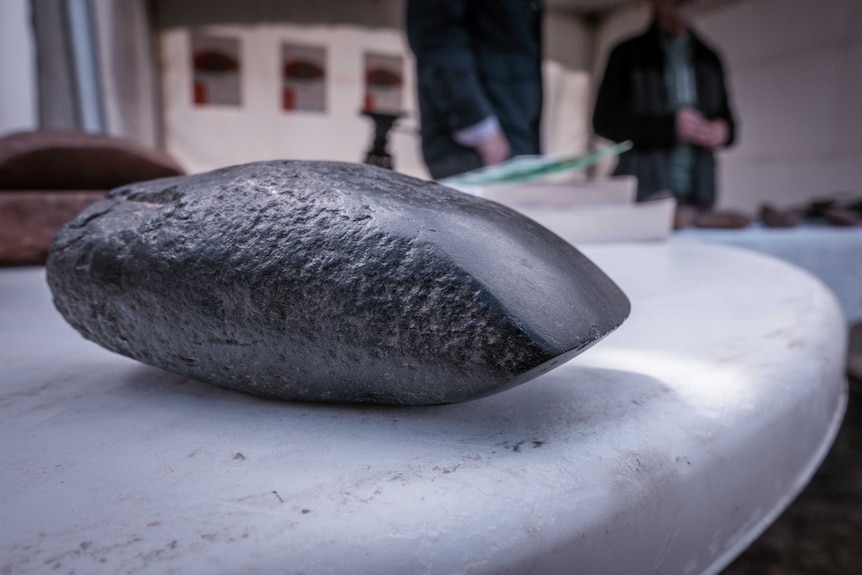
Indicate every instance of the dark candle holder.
{"type": "Point", "coordinates": [378, 155]}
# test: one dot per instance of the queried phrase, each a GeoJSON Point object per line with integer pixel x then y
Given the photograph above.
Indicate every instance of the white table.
{"type": "Point", "coordinates": [832, 254]}
{"type": "Point", "coordinates": [667, 448]}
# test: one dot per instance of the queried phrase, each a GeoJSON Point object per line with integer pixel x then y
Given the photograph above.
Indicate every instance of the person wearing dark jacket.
{"type": "Point", "coordinates": [479, 80]}
{"type": "Point", "coordinates": [665, 91]}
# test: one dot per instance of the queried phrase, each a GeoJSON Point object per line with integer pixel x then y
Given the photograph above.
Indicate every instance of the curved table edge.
{"type": "Point", "coordinates": [801, 481]}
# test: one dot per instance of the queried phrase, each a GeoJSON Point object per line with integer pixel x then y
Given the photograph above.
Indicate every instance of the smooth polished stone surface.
{"type": "Point", "coordinates": [326, 281]}
{"type": "Point", "coordinates": [665, 449]}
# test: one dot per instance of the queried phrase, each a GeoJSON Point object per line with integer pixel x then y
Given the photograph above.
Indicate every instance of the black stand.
{"type": "Point", "coordinates": [383, 123]}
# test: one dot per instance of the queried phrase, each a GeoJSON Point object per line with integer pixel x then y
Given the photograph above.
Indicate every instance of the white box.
{"type": "Point", "coordinates": [586, 211]}
{"type": "Point", "coordinates": [651, 220]}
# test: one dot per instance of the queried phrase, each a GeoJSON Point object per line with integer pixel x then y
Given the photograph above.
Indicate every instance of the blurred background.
{"type": "Point", "coordinates": [140, 69]}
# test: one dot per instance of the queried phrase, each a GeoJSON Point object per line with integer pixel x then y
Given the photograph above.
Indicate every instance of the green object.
{"type": "Point", "coordinates": [526, 168]}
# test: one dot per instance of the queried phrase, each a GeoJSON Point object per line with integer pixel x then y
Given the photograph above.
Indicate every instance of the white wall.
{"type": "Point", "coordinates": [567, 39]}
{"type": "Point", "coordinates": [204, 138]}
{"type": "Point", "coordinates": [568, 58]}
{"type": "Point", "coordinates": [565, 113]}
{"type": "Point", "coordinates": [795, 70]}
{"type": "Point", "coordinates": [18, 106]}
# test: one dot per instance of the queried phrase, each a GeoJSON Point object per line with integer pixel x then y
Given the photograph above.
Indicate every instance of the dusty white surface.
{"type": "Point", "coordinates": [666, 448]}
{"type": "Point", "coordinates": [832, 254]}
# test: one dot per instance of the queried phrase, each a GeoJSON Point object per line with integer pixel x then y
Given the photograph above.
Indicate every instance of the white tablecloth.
{"type": "Point", "coordinates": [830, 253]}
{"type": "Point", "coordinates": [666, 448]}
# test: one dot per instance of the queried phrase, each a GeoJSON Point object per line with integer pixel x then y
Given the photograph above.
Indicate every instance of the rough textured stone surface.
{"type": "Point", "coordinates": [328, 282]}
{"type": "Point", "coordinates": [29, 220]}
{"type": "Point", "coordinates": [69, 160]}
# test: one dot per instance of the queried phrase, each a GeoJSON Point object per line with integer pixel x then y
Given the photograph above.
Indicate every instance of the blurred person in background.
{"type": "Point", "coordinates": [665, 91]}
{"type": "Point", "coordinates": [479, 80]}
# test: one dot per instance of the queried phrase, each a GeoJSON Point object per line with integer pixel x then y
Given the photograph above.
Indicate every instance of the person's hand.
{"type": "Point", "coordinates": [689, 125]}
{"type": "Point", "coordinates": [692, 127]}
{"type": "Point", "coordinates": [716, 134]}
{"type": "Point", "coordinates": [494, 149]}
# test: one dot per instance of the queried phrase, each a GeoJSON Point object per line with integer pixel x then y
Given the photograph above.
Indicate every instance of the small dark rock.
{"type": "Point", "coordinates": [842, 217]}
{"type": "Point", "coordinates": [683, 216]}
{"type": "Point", "coordinates": [721, 219]}
{"type": "Point", "coordinates": [773, 217]}
{"type": "Point", "coordinates": [326, 281]}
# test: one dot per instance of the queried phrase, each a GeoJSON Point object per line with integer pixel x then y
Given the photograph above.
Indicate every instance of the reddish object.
{"type": "Point", "coordinates": [200, 93]}
{"type": "Point", "coordinates": [68, 160]}
{"type": "Point", "coordinates": [369, 103]}
{"type": "Point", "coordinates": [302, 70]}
{"type": "Point", "coordinates": [49, 176]}
{"type": "Point", "coordinates": [214, 61]}
{"type": "Point", "coordinates": [29, 220]}
{"type": "Point", "coordinates": [721, 219]}
{"type": "Point", "coordinates": [288, 99]}
{"type": "Point", "coordinates": [382, 77]}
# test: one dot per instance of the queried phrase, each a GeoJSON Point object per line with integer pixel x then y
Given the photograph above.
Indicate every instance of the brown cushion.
{"type": "Point", "coordinates": [66, 160]}
{"type": "Point", "coordinates": [29, 220]}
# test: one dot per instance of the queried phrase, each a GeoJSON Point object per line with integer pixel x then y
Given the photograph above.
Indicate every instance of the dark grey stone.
{"type": "Point", "coordinates": [326, 281]}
